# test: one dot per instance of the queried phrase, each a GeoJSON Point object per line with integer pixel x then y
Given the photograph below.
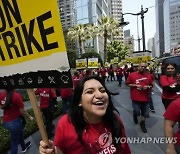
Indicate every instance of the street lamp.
{"type": "Point", "coordinates": [142, 18]}
{"type": "Point", "coordinates": [123, 23]}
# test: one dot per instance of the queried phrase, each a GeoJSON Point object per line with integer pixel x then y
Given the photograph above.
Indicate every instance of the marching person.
{"type": "Point", "coordinates": [110, 71]}
{"type": "Point", "coordinates": [119, 75]}
{"type": "Point", "coordinates": [103, 73]}
{"type": "Point", "coordinates": [126, 72]}
{"type": "Point", "coordinates": [66, 95]}
{"type": "Point", "coordinates": [91, 125]}
{"type": "Point", "coordinates": [140, 84]}
{"type": "Point", "coordinates": [46, 94]}
{"type": "Point", "coordinates": [12, 105]}
{"type": "Point", "coordinates": [168, 82]}
{"type": "Point", "coordinates": [76, 78]}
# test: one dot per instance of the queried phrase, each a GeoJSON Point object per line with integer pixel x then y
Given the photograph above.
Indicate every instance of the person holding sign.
{"type": "Point", "coordinates": [90, 121]}
{"type": "Point", "coordinates": [46, 94]}
{"type": "Point", "coordinates": [11, 103]}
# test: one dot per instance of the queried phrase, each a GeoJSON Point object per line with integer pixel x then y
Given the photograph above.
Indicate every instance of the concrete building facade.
{"type": "Point", "coordinates": [129, 41]}
{"type": "Point", "coordinates": [151, 46]}
{"type": "Point", "coordinates": [116, 13]}
{"type": "Point", "coordinates": [68, 19]}
{"type": "Point", "coordinates": [159, 39]}
{"type": "Point", "coordinates": [171, 24]}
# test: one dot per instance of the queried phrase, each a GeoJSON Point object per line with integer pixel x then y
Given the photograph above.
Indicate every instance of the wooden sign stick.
{"type": "Point", "coordinates": [38, 115]}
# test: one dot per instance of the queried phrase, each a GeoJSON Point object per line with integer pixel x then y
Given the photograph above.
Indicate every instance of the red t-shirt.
{"type": "Point", "coordinates": [66, 139]}
{"type": "Point", "coordinates": [173, 113]}
{"type": "Point", "coordinates": [45, 95]}
{"type": "Point", "coordinates": [167, 81]}
{"type": "Point", "coordinates": [103, 72]}
{"type": "Point", "coordinates": [139, 79]}
{"type": "Point", "coordinates": [13, 111]}
{"type": "Point", "coordinates": [119, 71]}
{"type": "Point", "coordinates": [66, 92]}
{"type": "Point", "coordinates": [126, 71]}
{"type": "Point", "coordinates": [76, 80]}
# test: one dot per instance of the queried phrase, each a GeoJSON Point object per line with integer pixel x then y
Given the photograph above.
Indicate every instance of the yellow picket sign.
{"type": "Point", "coordinates": [93, 63]}
{"type": "Point", "coordinates": [81, 63]}
{"type": "Point", "coordinates": [116, 60]}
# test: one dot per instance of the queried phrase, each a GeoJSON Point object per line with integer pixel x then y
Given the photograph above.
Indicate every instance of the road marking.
{"type": "Point", "coordinates": [159, 88]}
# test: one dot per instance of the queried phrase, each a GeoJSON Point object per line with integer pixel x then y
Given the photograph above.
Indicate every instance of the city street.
{"type": "Point", "coordinates": [123, 104]}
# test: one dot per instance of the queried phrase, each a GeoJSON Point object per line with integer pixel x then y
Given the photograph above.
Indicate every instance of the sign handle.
{"type": "Point", "coordinates": [38, 115]}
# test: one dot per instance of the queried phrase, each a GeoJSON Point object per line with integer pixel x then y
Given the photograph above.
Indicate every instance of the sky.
{"type": "Point", "coordinates": [134, 6]}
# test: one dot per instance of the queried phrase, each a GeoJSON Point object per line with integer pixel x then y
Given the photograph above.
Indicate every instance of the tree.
{"type": "Point", "coordinates": [108, 27]}
{"type": "Point", "coordinates": [92, 55]}
{"type": "Point", "coordinates": [72, 58]}
{"type": "Point", "coordinates": [91, 31]}
{"type": "Point", "coordinates": [117, 49]}
{"type": "Point", "coordinates": [77, 33]}
{"type": "Point", "coordinates": [81, 33]}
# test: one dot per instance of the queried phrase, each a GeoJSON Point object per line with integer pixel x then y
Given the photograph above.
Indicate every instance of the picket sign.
{"type": "Point", "coordinates": [32, 50]}
{"type": "Point", "coordinates": [38, 115]}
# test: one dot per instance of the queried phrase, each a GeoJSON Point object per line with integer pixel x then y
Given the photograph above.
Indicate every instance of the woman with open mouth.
{"type": "Point", "coordinates": [92, 124]}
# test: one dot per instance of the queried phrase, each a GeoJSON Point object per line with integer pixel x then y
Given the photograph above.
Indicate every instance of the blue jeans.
{"type": "Point", "coordinates": [119, 79]}
{"type": "Point", "coordinates": [140, 108]}
{"type": "Point", "coordinates": [65, 102]}
{"type": "Point", "coordinates": [16, 134]}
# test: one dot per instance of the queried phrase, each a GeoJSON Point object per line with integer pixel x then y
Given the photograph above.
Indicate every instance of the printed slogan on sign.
{"type": "Point", "coordinates": [32, 48]}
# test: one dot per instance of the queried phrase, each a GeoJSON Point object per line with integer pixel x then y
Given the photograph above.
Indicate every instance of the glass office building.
{"type": "Point", "coordinates": [91, 11]}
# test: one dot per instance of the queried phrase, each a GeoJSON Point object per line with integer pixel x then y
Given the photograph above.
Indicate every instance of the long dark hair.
{"type": "Point", "coordinates": [76, 112]}
{"type": "Point", "coordinates": [9, 94]}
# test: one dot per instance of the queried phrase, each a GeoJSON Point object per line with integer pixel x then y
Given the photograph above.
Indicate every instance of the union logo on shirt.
{"type": "Point", "coordinates": [105, 142]}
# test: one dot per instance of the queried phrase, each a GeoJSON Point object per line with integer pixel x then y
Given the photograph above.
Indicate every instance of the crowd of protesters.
{"type": "Point", "coordinates": [88, 110]}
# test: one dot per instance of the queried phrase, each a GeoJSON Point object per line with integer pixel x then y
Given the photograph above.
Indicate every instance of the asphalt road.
{"type": "Point", "coordinates": [154, 123]}
{"type": "Point", "coordinates": [122, 102]}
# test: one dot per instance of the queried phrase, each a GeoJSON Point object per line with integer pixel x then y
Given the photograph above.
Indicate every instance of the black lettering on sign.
{"type": "Point", "coordinates": [20, 41]}
{"type": "Point", "coordinates": [2, 55]}
{"type": "Point", "coordinates": [3, 21]}
{"type": "Point", "coordinates": [44, 32]}
{"type": "Point", "coordinates": [29, 38]}
{"type": "Point", "coordinates": [14, 10]}
{"type": "Point", "coordinates": [11, 44]}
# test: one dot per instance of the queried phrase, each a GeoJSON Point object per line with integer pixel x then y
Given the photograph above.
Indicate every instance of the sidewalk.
{"type": "Point", "coordinates": [35, 139]}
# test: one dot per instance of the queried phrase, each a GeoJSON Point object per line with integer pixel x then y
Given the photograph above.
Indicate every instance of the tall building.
{"type": "Point", "coordinates": [116, 13]}
{"type": "Point", "coordinates": [171, 24]}
{"type": "Point", "coordinates": [127, 33]}
{"type": "Point", "coordinates": [159, 40]}
{"type": "Point", "coordinates": [68, 19]}
{"type": "Point", "coordinates": [151, 46]}
{"type": "Point", "coordinates": [91, 11]}
{"type": "Point", "coordinates": [129, 41]}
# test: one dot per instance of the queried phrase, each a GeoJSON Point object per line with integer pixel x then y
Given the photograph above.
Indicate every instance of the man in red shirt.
{"type": "Point", "coordinates": [140, 84]}
{"type": "Point", "coordinates": [67, 96]}
{"type": "Point", "coordinates": [45, 95]}
{"type": "Point", "coordinates": [172, 115]}
{"type": "Point", "coordinates": [103, 73]}
{"type": "Point", "coordinates": [76, 78]}
{"type": "Point", "coordinates": [119, 75]}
